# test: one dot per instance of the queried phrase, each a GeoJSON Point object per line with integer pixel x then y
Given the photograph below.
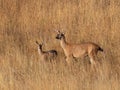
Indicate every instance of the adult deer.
{"type": "Point", "coordinates": [78, 50]}
{"type": "Point", "coordinates": [46, 55]}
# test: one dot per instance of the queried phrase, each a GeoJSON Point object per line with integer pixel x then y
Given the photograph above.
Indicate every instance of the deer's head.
{"type": "Point", "coordinates": [39, 44]}
{"type": "Point", "coordinates": [60, 35]}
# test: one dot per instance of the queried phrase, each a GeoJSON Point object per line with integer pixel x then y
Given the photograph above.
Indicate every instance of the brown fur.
{"type": "Point", "coordinates": [46, 55]}
{"type": "Point", "coordinates": [78, 50]}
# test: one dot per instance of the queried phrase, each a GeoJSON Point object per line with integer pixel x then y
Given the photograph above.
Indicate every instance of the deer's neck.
{"type": "Point", "coordinates": [63, 43]}
{"type": "Point", "coordinates": [40, 51]}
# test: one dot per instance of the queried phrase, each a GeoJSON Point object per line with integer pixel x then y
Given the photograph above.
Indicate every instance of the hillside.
{"type": "Point", "coordinates": [22, 22]}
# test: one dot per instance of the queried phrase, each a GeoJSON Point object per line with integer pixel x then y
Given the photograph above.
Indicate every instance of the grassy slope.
{"type": "Point", "coordinates": [22, 22]}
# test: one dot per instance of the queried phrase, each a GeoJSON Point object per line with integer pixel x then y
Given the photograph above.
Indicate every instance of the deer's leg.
{"type": "Point", "coordinates": [75, 59]}
{"type": "Point", "coordinates": [69, 59]}
{"type": "Point", "coordinates": [92, 57]}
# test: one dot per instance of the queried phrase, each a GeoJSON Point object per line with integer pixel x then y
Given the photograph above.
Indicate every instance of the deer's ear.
{"type": "Point", "coordinates": [57, 31]}
{"type": "Point", "coordinates": [37, 42]}
{"type": "Point", "coordinates": [63, 33]}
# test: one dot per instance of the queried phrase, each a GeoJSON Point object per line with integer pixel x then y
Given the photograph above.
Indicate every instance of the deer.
{"type": "Point", "coordinates": [46, 55]}
{"type": "Point", "coordinates": [89, 49]}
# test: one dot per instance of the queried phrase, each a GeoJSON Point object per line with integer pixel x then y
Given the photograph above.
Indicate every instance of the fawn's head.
{"type": "Point", "coordinates": [40, 45]}
{"type": "Point", "coordinates": [60, 35]}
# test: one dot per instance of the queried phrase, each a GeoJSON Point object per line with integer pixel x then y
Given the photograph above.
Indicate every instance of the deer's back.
{"type": "Point", "coordinates": [79, 50]}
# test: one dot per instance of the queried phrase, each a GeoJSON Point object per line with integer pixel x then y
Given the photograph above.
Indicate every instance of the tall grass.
{"type": "Point", "coordinates": [22, 22]}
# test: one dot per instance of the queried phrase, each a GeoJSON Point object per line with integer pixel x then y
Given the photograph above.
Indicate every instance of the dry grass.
{"type": "Point", "coordinates": [22, 22]}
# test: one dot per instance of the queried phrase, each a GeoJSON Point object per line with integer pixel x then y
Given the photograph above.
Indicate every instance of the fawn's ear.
{"type": "Point", "coordinates": [37, 42]}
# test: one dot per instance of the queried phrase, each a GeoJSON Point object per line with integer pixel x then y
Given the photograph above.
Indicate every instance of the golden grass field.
{"type": "Point", "coordinates": [22, 22]}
